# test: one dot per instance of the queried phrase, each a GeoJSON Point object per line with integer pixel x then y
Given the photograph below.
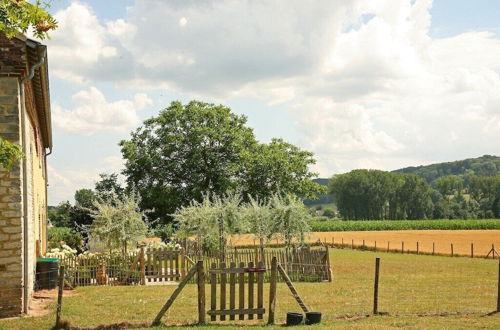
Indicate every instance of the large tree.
{"type": "Point", "coordinates": [196, 148]}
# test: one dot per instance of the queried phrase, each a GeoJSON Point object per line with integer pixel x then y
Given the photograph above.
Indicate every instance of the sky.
{"type": "Point", "coordinates": [380, 84]}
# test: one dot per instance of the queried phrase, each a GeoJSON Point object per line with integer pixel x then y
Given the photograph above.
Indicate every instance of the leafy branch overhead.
{"type": "Point", "coordinates": [19, 16]}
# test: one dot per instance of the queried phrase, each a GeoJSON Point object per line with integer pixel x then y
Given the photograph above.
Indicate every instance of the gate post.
{"type": "Point", "coordinates": [272, 290]}
{"type": "Point", "coordinates": [201, 292]}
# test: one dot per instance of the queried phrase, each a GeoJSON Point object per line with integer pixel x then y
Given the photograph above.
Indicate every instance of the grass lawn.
{"type": "Point", "coordinates": [415, 292]}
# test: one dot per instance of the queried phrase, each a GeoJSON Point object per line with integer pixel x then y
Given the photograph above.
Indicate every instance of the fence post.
{"type": "Point", "coordinates": [352, 244]}
{"type": "Point", "coordinates": [402, 247]}
{"type": "Point", "coordinates": [328, 270]}
{"type": "Point", "coordinates": [498, 288]}
{"type": "Point", "coordinates": [433, 248]}
{"type": "Point", "coordinates": [472, 250]}
{"type": "Point", "coordinates": [272, 290]}
{"type": "Point", "coordinates": [375, 286]}
{"type": "Point", "coordinates": [451, 249]}
{"type": "Point", "coordinates": [417, 248]}
{"type": "Point", "coordinates": [201, 292]}
{"type": "Point", "coordinates": [59, 296]}
{"type": "Point", "coordinates": [143, 267]}
{"type": "Point", "coordinates": [388, 246]}
{"type": "Point", "coordinates": [183, 262]}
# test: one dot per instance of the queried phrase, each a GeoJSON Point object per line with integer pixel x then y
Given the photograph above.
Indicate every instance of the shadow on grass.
{"type": "Point", "coordinates": [65, 325]}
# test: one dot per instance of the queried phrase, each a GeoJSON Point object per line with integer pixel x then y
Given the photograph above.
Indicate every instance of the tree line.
{"type": "Point", "coordinates": [373, 194]}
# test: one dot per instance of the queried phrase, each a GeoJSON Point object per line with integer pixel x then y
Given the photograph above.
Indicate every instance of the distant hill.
{"type": "Point", "coordinates": [322, 198]}
{"type": "Point", "coordinates": [483, 166]}
{"type": "Point", "coordinates": [486, 165]}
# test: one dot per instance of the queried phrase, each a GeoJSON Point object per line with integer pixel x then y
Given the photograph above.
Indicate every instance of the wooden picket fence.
{"type": "Point", "coordinates": [135, 268]}
{"type": "Point", "coordinates": [150, 266]}
{"type": "Point", "coordinates": [308, 264]}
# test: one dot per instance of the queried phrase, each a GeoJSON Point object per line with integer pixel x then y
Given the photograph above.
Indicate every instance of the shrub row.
{"type": "Point", "coordinates": [340, 225]}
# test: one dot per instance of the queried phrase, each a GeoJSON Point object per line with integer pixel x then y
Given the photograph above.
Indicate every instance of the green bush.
{"type": "Point", "coordinates": [72, 239]}
{"type": "Point", "coordinates": [340, 225]}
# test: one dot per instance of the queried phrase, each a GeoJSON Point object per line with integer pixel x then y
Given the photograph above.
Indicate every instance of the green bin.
{"type": "Point", "coordinates": [46, 273]}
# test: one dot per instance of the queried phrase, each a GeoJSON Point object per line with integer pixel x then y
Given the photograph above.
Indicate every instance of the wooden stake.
{"type": "Point", "coordinates": [352, 244]}
{"type": "Point", "coordinates": [452, 249]}
{"type": "Point", "coordinates": [60, 296]}
{"type": "Point", "coordinates": [375, 286]}
{"type": "Point", "coordinates": [272, 291]}
{"type": "Point", "coordinates": [295, 294]}
{"type": "Point", "coordinates": [417, 247]}
{"type": "Point", "coordinates": [472, 250]}
{"type": "Point", "coordinates": [433, 248]}
{"type": "Point", "coordinates": [388, 249]}
{"type": "Point", "coordinates": [375, 245]}
{"type": "Point", "coordinates": [402, 247]}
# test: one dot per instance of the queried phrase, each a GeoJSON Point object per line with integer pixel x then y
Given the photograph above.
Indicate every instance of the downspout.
{"type": "Point", "coordinates": [25, 179]}
{"type": "Point", "coordinates": [46, 197]}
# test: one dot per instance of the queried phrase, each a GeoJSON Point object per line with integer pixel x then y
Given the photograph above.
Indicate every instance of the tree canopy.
{"type": "Point", "coordinates": [197, 148]}
{"type": "Point", "coordinates": [374, 194]}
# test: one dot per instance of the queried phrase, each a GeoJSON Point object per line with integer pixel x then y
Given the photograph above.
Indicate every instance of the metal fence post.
{"type": "Point", "coordinates": [375, 286]}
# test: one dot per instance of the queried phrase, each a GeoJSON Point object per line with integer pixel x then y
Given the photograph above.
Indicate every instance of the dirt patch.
{"type": "Point", "coordinates": [42, 299]}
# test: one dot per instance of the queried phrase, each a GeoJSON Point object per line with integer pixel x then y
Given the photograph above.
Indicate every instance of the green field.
{"type": "Point", "coordinates": [368, 225]}
{"type": "Point", "coordinates": [415, 291]}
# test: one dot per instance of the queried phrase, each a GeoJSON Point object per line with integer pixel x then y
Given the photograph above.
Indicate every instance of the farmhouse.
{"type": "Point", "coordinates": [24, 119]}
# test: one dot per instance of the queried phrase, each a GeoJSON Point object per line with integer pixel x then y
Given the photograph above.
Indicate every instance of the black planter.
{"type": "Point", "coordinates": [313, 317]}
{"type": "Point", "coordinates": [293, 318]}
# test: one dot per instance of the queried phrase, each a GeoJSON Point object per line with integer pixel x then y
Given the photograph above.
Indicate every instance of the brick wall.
{"type": "Point", "coordinates": [11, 229]}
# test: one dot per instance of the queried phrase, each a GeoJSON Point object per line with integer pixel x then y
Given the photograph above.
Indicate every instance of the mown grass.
{"type": "Point", "coordinates": [368, 225]}
{"type": "Point", "coordinates": [410, 285]}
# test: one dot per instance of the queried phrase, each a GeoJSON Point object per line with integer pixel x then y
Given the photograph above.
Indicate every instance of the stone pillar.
{"type": "Point", "coordinates": [11, 219]}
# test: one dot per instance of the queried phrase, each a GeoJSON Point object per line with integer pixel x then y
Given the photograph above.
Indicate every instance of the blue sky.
{"type": "Point", "coordinates": [372, 84]}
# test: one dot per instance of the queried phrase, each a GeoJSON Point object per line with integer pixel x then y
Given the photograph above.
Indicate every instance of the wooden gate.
{"type": "Point", "coordinates": [254, 279]}
{"type": "Point", "coordinates": [163, 265]}
{"type": "Point", "coordinates": [255, 275]}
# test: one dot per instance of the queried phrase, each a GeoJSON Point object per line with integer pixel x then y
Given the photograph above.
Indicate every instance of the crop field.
{"type": "Point", "coordinates": [442, 239]}
{"type": "Point", "coordinates": [367, 225]}
{"type": "Point", "coordinates": [416, 291]}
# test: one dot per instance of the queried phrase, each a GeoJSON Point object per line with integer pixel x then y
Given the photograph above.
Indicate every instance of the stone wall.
{"type": "Point", "coordinates": [11, 221]}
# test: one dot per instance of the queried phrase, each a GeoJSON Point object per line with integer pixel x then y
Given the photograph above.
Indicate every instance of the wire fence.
{"type": "Point", "coordinates": [417, 287]}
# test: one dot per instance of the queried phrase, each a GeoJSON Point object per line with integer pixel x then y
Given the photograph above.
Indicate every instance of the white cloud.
{"type": "Point", "coordinates": [63, 181]}
{"type": "Point", "coordinates": [366, 83]}
{"type": "Point", "coordinates": [79, 42]}
{"type": "Point", "coordinates": [92, 113]}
